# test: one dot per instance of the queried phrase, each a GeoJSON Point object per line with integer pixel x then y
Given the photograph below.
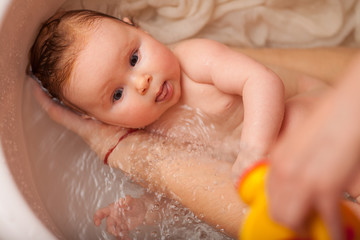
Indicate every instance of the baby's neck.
{"type": "Point", "coordinates": [167, 120]}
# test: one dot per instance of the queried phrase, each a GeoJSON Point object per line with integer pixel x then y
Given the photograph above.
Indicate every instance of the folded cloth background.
{"type": "Point", "coordinates": [241, 23]}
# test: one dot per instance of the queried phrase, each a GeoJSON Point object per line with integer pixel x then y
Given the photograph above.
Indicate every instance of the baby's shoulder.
{"type": "Point", "coordinates": [196, 46]}
{"type": "Point", "coordinates": [197, 56]}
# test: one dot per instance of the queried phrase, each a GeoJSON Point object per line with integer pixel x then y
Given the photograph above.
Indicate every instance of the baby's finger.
{"type": "Point", "coordinates": [122, 231]}
{"type": "Point", "coordinates": [123, 203]}
{"type": "Point", "coordinates": [111, 226]}
{"type": "Point", "coordinates": [116, 227]}
{"type": "Point", "coordinates": [100, 215]}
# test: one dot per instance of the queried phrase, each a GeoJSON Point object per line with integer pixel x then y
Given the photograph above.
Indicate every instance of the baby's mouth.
{"type": "Point", "coordinates": [165, 92]}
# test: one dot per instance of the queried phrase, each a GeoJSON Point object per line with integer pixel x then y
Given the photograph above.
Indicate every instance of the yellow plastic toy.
{"type": "Point", "coordinates": [259, 226]}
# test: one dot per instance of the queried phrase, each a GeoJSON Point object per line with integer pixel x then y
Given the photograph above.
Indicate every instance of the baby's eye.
{"type": "Point", "coordinates": [134, 58]}
{"type": "Point", "coordinates": [118, 94]}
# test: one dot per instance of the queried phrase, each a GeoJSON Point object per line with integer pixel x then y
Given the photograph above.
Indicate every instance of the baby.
{"type": "Point", "coordinates": [197, 91]}
{"type": "Point", "coordinates": [109, 70]}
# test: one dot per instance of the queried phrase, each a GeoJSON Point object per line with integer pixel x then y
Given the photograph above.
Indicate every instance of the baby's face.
{"type": "Point", "coordinates": [123, 76]}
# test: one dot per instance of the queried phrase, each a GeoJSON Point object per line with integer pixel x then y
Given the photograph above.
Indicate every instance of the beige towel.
{"type": "Point", "coordinates": [255, 23]}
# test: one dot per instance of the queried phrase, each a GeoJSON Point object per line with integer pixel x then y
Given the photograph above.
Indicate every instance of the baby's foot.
{"type": "Point", "coordinates": [122, 216]}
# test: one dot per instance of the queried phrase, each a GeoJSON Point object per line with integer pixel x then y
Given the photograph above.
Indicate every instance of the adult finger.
{"type": "Point", "coordinates": [99, 136]}
{"type": "Point", "coordinates": [289, 202]}
{"type": "Point", "coordinates": [59, 113]}
{"type": "Point", "coordinates": [329, 211]}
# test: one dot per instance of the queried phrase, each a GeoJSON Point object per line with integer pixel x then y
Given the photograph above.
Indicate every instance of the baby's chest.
{"type": "Point", "coordinates": [210, 100]}
{"type": "Point", "coordinates": [206, 115]}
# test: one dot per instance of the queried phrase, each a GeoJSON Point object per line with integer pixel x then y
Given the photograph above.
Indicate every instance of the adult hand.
{"type": "Point", "coordinates": [100, 137]}
{"type": "Point", "coordinates": [312, 165]}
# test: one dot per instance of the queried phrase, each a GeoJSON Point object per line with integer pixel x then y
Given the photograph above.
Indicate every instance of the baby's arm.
{"type": "Point", "coordinates": [231, 72]}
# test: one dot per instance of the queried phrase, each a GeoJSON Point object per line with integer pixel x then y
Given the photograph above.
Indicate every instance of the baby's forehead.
{"type": "Point", "coordinates": [107, 42]}
{"type": "Point", "coordinates": [83, 31]}
{"type": "Point", "coordinates": [83, 28]}
{"type": "Point", "coordinates": [88, 49]}
{"type": "Point", "coordinates": [105, 28]}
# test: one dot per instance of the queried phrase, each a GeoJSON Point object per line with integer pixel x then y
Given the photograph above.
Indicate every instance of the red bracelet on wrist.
{"type": "Point", "coordinates": [131, 130]}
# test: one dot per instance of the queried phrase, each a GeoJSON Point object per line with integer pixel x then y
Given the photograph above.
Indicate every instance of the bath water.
{"type": "Point", "coordinates": [73, 183]}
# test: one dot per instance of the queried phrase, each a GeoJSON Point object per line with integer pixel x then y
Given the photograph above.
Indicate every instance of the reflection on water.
{"type": "Point", "coordinates": [73, 184]}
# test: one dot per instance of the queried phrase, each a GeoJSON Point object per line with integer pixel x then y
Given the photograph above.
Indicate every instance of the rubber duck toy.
{"type": "Point", "coordinates": [258, 224]}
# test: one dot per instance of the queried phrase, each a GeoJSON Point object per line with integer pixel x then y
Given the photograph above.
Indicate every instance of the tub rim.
{"type": "Point", "coordinates": [13, 227]}
{"type": "Point", "coordinates": [15, 212]}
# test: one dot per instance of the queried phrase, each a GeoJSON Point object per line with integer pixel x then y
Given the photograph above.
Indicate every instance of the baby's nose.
{"type": "Point", "coordinates": [143, 83]}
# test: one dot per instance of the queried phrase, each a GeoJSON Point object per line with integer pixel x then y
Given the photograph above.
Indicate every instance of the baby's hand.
{"type": "Point", "coordinates": [122, 216]}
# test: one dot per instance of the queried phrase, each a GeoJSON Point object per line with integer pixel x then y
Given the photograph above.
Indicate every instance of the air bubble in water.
{"type": "Point", "coordinates": [176, 218]}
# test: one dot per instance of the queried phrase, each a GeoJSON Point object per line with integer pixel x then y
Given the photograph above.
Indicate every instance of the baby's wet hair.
{"type": "Point", "coordinates": [58, 44]}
